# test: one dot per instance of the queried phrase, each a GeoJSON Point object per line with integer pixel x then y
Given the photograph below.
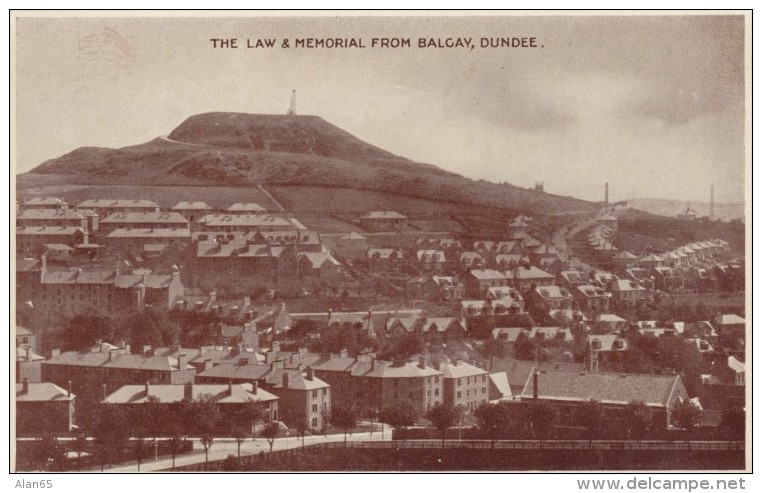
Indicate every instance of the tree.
{"type": "Point", "coordinates": [444, 417]}
{"type": "Point", "coordinates": [150, 327]}
{"type": "Point", "coordinates": [686, 415]}
{"type": "Point", "coordinates": [205, 413]}
{"type": "Point", "coordinates": [256, 411]}
{"type": "Point", "coordinates": [207, 440]}
{"type": "Point", "coordinates": [590, 416]}
{"type": "Point", "coordinates": [495, 348]}
{"type": "Point", "coordinates": [139, 448]}
{"type": "Point", "coordinates": [302, 427]}
{"type": "Point", "coordinates": [639, 418]}
{"type": "Point", "coordinates": [399, 416]}
{"type": "Point", "coordinates": [111, 436]}
{"type": "Point", "coordinates": [493, 419]}
{"type": "Point", "coordinates": [270, 432]}
{"type": "Point", "coordinates": [239, 432]}
{"type": "Point", "coordinates": [344, 416]}
{"type": "Point", "coordinates": [175, 444]}
{"type": "Point", "coordinates": [541, 416]}
{"type": "Point", "coordinates": [734, 422]}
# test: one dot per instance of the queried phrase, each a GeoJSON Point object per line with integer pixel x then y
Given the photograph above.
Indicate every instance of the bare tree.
{"type": "Point", "coordinates": [207, 440]}
{"type": "Point", "coordinates": [270, 432]}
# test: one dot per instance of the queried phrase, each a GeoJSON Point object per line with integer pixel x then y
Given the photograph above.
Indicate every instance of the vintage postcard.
{"type": "Point", "coordinates": [398, 242]}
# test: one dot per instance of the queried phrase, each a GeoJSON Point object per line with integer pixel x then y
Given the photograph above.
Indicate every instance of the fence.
{"type": "Point", "coordinates": [261, 460]}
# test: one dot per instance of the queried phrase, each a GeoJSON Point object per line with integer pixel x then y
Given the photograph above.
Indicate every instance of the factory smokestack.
{"type": "Point", "coordinates": [606, 198]}
{"type": "Point", "coordinates": [292, 106]}
{"type": "Point", "coordinates": [711, 204]}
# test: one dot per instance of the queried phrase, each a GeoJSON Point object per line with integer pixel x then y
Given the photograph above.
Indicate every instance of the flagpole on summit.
{"type": "Point", "coordinates": [292, 106]}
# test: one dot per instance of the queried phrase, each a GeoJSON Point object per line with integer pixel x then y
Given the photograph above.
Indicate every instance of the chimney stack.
{"type": "Point", "coordinates": [25, 386]}
{"type": "Point", "coordinates": [105, 391]}
{"type": "Point", "coordinates": [254, 387]}
{"type": "Point", "coordinates": [68, 389]}
{"type": "Point", "coordinates": [535, 384]}
{"type": "Point", "coordinates": [285, 380]}
{"type": "Point", "coordinates": [344, 353]}
{"type": "Point", "coordinates": [310, 374]}
{"type": "Point", "coordinates": [711, 203]}
{"type": "Point", "coordinates": [112, 354]}
{"type": "Point", "coordinates": [148, 388]}
{"type": "Point", "coordinates": [182, 362]}
{"type": "Point", "coordinates": [422, 363]}
{"type": "Point", "coordinates": [607, 194]}
{"type": "Point", "coordinates": [230, 388]}
{"type": "Point", "coordinates": [188, 392]}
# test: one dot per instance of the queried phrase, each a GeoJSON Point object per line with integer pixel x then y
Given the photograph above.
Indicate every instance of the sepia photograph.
{"type": "Point", "coordinates": [380, 242]}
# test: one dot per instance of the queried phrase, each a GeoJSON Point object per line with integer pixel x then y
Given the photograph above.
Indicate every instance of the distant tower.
{"type": "Point", "coordinates": [292, 106]}
{"type": "Point", "coordinates": [606, 197]}
{"type": "Point", "coordinates": [711, 204]}
{"type": "Point", "coordinates": [539, 186]}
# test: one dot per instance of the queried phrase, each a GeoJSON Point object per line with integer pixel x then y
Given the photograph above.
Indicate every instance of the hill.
{"type": "Point", "coordinates": [671, 208]}
{"type": "Point", "coordinates": [244, 150]}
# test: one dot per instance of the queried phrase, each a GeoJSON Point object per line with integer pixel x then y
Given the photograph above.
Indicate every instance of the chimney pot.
{"type": "Point", "coordinates": [25, 386]}
{"type": "Point", "coordinates": [230, 388]}
{"type": "Point", "coordinates": [254, 387]}
{"type": "Point", "coordinates": [148, 388]}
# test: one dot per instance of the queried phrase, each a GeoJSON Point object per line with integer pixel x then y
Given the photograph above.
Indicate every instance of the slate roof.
{"type": "Point", "coordinates": [119, 203]}
{"type": "Point", "coordinates": [460, 369]}
{"type": "Point", "coordinates": [221, 393]}
{"type": "Point", "coordinates": [182, 206]}
{"type": "Point", "coordinates": [145, 217]}
{"type": "Point", "coordinates": [48, 214]}
{"type": "Point", "coordinates": [126, 361]}
{"type": "Point", "coordinates": [607, 388]}
{"type": "Point", "coordinates": [246, 207]}
{"type": "Point", "coordinates": [487, 274]}
{"type": "Point", "coordinates": [383, 215]}
{"type": "Point", "coordinates": [48, 230]}
{"type": "Point", "coordinates": [42, 392]}
{"type": "Point", "coordinates": [150, 233]}
{"type": "Point", "coordinates": [528, 273]}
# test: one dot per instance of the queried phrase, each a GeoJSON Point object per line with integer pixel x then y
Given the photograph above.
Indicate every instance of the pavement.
{"type": "Point", "coordinates": [222, 447]}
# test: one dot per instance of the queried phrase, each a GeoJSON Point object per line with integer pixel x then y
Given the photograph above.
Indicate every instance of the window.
{"type": "Point", "coordinates": [325, 392]}
{"type": "Point", "coordinates": [314, 408]}
{"type": "Point", "coordinates": [468, 393]}
{"type": "Point", "coordinates": [484, 378]}
{"type": "Point", "coordinates": [436, 379]}
{"type": "Point", "coordinates": [314, 394]}
{"type": "Point", "coordinates": [436, 392]}
{"type": "Point", "coordinates": [396, 382]}
{"type": "Point", "coordinates": [459, 394]}
{"type": "Point", "coordinates": [459, 382]}
{"type": "Point", "coordinates": [314, 422]}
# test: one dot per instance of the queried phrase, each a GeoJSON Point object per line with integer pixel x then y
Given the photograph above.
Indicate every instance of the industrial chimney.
{"type": "Point", "coordinates": [711, 204]}
{"type": "Point", "coordinates": [606, 197]}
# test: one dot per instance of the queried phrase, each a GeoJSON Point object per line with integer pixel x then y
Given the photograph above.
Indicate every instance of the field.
{"type": "Point", "coordinates": [165, 196]}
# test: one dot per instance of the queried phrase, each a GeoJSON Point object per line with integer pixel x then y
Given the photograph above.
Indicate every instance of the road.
{"type": "Point", "coordinates": [222, 447]}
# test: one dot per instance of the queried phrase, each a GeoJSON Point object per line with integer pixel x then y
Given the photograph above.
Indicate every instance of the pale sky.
{"type": "Point", "coordinates": [652, 104]}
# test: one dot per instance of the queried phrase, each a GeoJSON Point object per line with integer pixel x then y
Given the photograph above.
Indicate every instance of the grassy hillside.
{"type": "Point", "coordinates": [238, 150]}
